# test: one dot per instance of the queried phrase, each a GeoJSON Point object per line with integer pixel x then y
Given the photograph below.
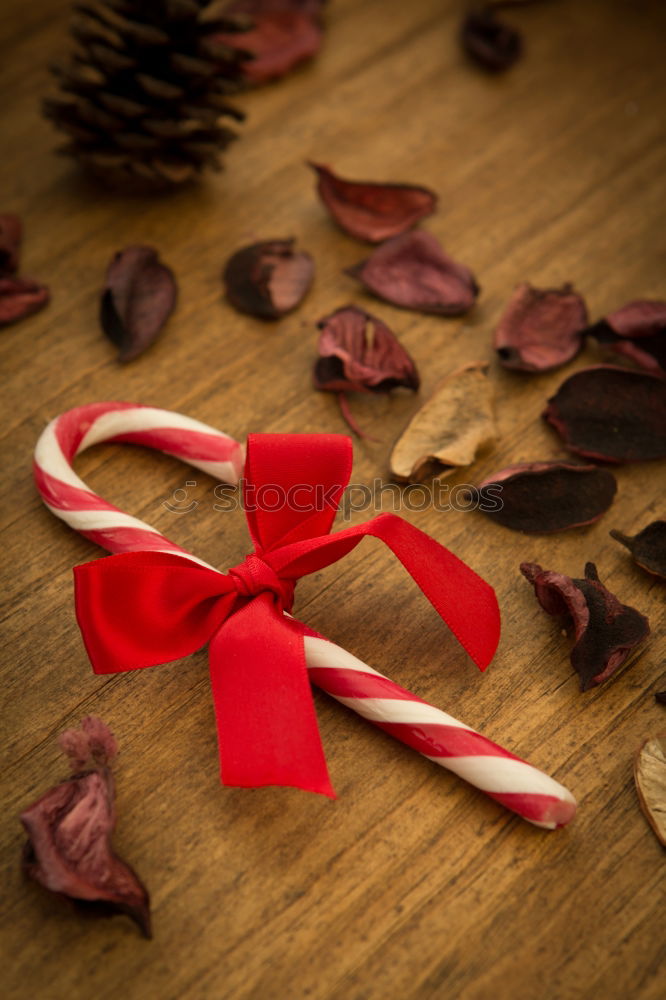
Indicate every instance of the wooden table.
{"type": "Point", "coordinates": [411, 884]}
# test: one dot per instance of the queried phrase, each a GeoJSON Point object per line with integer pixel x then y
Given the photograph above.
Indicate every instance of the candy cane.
{"type": "Point", "coordinates": [438, 736]}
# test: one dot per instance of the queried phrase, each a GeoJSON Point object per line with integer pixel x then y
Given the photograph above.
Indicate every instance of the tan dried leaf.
{"type": "Point", "coordinates": [650, 778]}
{"type": "Point", "coordinates": [450, 429]}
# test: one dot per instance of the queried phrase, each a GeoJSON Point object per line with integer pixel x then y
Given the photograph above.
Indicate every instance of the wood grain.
{"type": "Point", "coordinates": [411, 885]}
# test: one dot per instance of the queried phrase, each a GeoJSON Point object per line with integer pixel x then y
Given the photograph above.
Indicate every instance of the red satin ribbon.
{"type": "Point", "coordinates": [143, 608]}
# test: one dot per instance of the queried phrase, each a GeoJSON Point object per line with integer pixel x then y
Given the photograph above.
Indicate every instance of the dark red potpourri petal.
{"type": "Point", "coordinates": [268, 279]}
{"type": "Point", "coordinates": [605, 631]}
{"type": "Point", "coordinates": [358, 353]}
{"type": "Point", "coordinates": [139, 296]}
{"type": "Point", "coordinates": [412, 271]}
{"type": "Point", "coordinates": [611, 414]}
{"type": "Point", "coordinates": [11, 233]}
{"type": "Point", "coordinates": [20, 297]}
{"type": "Point", "coordinates": [648, 547]}
{"type": "Point", "coordinates": [540, 329]}
{"type": "Point", "coordinates": [544, 497]}
{"type": "Point", "coordinates": [373, 211]}
{"type": "Point", "coordinates": [281, 36]}
{"type": "Point", "coordinates": [637, 332]}
{"type": "Point", "coordinates": [69, 831]}
{"type": "Point", "coordinates": [488, 41]}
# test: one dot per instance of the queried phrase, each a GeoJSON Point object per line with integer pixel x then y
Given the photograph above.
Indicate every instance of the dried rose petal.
{"type": "Point", "coordinates": [449, 430]}
{"type": "Point", "coordinates": [545, 497]}
{"type": "Point", "coordinates": [69, 838]}
{"type": "Point", "coordinates": [540, 329]}
{"type": "Point", "coordinates": [358, 353]}
{"type": "Point", "coordinates": [280, 37]}
{"type": "Point", "coordinates": [20, 297]}
{"type": "Point", "coordinates": [268, 279]}
{"type": "Point", "coordinates": [413, 271]}
{"type": "Point", "coordinates": [605, 630]}
{"type": "Point", "coordinates": [491, 44]}
{"type": "Point", "coordinates": [11, 232]}
{"type": "Point", "coordinates": [650, 778]}
{"type": "Point", "coordinates": [637, 331]}
{"type": "Point", "coordinates": [372, 211]}
{"type": "Point", "coordinates": [612, 414]}
{"type": "Point", "coordinates": [648, 547]}
{"type": "Point", "coordinates": [138, 298]}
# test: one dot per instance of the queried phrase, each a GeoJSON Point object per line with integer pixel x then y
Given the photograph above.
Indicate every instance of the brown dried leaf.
{"type": "Point", "coordinates": [20, 297]}
{"type": "Point", "coordinates": [69, 831]}
{"type": "Point", "coordinates": [11, 232]}
{"type": "Point", "coordinates": [449, 430]}
{"type": "Point", "coordinates": [605, 630]}
{"type": "Point", "coordinates": [138, 298]}
{"type": "Point", "coordinates": [612, 414]}
{"type": "Point", "coordinates": [648, 547]}
{"type": "Point", "coordinates": [545, 497]}
{"type": "Point", "coordinates": [412, 271]}
{"type": "Point", "coordinates": [268, 279]}
{"type": "Point", "coordinates": [373, 211]}
{"type": "Point", "coordinates": [650, 778]}
{"type": "Point", "coordinates": [540, 329]}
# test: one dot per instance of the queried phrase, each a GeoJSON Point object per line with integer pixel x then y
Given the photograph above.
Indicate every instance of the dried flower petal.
{"type": "Point", "coordinates": [281, 36]}
{"type": "Point", "coordinates": [372, 211]}
{"type": "Point", "coordinates": [93, 745]}
{"type": "Point", "coordinates": [69, 836]}
{"type": "Point", "coordinates": [648, 547]}
{"type": "Point", "coordinates": [11, 232]}
{"type": "Point", "coordinates": [138, 298]}
{"type": "Point", "coordinates": [358, 353]}
{"type": "Point", "coordinates": [637, 332]}
{"type": "Point", "coordinates": [547, 496]}
{"type": "Point", "coordinates": [660, 697]}
{"type": "Point", "coordinates": [413, 271]}
{"type": "Point", "coordinates": [268, 279]}
{"type": "Point", "coordinates": [612, 414]}
{"type": "Point", "coordinates": [650, 778]}
{"type": "Point", "coordinates": [489, 42]}
{"type": "Point", "coordinates": [605, 630]}
{"type": "Point", "coordinates": [540, 329]}
{"type": "Point", "coordinates": [20, 297]}
{"type": "Point", "coordinates": [449, 430]}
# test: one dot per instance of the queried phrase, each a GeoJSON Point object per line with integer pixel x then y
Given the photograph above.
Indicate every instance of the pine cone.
{"type": "Point", "coordinates": [146, 90]}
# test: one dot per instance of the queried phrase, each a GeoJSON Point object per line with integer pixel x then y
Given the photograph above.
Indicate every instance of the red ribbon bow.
{"type": "Point", "coordinates": [143, 608]}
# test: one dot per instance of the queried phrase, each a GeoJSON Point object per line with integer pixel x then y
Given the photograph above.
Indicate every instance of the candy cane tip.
{"type": "Point", "coordinates": [560, 813]}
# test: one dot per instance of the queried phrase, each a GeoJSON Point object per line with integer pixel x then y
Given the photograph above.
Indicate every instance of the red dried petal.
{"type": "Point", "coordinates": [11, 233]}
{"type": "Point", "coordinates": [489, 42]}
{"type": "Point", "coordinates": [92, 745]}
{"type": "Point", "coordinates": [358, 353]}
{"type": "Point", "coordinates": [268, 279]}
{"type": "Point", "coordinates": [612, 414]}
{"type": "Point", "coordinates": [414, 272]}
{"type": "Point", "coordinates": [605, 630]}
{"type": "Point", "coordinates": [648, 547]}
{"type": "Point", "coordinates": [69, 848]}
{"type": "Point", "coordinates": [545, 497]}
{"type": "Point", "coordinates": [540, 329]}
{"type": "Point", "coordinates": [20, 297]}
{"type": "Point", "coordinates": [278, 41]}
{"type": "Point", "coordinates": [637, 332]}
{"type": "Point", "coordinates": [372, 211]}
{"type": "Point", "coordinates": [138, 298]}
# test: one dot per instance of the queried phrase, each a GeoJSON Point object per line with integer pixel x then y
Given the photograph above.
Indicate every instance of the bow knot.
{"type": "Point", "coordinates": [255, 576]}
{"type": "Point", "coordinates": [139, 609]}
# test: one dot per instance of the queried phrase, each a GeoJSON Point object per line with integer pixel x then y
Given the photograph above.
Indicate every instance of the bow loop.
{"type": "Point", "coordinates": [255, 576]}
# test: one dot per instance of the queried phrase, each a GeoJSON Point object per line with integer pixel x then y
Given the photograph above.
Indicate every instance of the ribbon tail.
{"type": "Point", "coordinates": [266, 721]}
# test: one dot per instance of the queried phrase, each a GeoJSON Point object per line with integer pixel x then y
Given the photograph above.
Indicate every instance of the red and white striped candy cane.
{"type": "Point", "coordinates": [438, 736]}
